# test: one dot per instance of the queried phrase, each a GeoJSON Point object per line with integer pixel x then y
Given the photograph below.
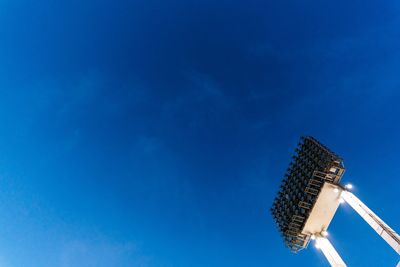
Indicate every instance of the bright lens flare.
{"type": "Point", "coordinates": [349, 186]}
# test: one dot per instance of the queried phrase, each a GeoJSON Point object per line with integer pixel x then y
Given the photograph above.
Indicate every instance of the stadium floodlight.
{"type": "Point", "coordinates": [309, 196]}
{"type": "Point", "coordinates": [306, 202]}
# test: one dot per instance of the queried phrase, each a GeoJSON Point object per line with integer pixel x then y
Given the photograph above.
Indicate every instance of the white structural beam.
{"type": "Point", "coordinates": [329, 252]}
{"type": "Point", "coordinates": [387, 233]}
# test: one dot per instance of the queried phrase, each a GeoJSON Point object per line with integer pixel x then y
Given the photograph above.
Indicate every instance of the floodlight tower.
{"type": "Point", "coordinates": [309, 196]}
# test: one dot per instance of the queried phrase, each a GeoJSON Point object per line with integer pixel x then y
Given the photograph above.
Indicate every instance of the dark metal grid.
{"type": "Point", "coordinates": [312, 166]}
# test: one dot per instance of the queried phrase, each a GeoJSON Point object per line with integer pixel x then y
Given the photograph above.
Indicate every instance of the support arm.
{"type": "Point", "coordinates": [387, 233]}
{"type": "Point", "coordinates": [330, 252]}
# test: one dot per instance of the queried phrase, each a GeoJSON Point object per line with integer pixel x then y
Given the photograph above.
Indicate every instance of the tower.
{"type": "Point", "coordinates": [309, 196]}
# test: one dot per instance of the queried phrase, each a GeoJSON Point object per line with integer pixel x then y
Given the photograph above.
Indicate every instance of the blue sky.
{"type": "Point", "coordinates": [156, 133]}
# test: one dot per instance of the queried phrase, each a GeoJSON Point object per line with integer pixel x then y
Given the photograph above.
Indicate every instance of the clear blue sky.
{"type": "Point", "coordinates": [156, 133]}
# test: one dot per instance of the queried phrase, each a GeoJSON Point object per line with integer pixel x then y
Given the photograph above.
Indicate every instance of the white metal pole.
{"type": "Point", "coordinates": [329, 251]}
{"type": "Point", "coordinates": [387, 233]}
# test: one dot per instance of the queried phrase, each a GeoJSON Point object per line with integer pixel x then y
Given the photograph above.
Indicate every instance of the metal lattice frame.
{"type": "Point", "coordinates": [312, 166]}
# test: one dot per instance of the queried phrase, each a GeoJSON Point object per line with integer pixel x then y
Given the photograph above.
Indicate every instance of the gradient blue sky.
{"type": "Point", "coordinates": [156, 133]}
